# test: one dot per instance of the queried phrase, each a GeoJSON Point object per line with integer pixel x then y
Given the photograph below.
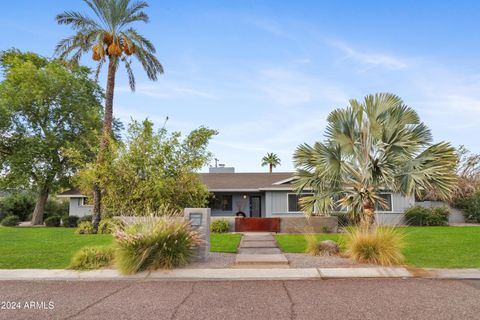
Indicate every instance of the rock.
{"type": "Point", "coordinates": [329, 247]}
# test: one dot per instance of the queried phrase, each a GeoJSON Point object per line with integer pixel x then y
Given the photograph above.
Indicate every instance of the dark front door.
{"type": "Point", "coordinates": [255, 206]}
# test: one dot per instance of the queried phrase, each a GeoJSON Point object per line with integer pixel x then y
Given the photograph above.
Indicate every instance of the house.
{"type": "Point", "coordinates": [256, 194]}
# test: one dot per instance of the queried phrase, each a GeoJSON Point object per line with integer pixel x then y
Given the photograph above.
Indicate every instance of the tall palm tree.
{"type": "Point", "coordinates": [374, 145]}
{"type": "Point", "coordinates": [272, 160]}
{"type": "Point", "coordinates": [110, 37]}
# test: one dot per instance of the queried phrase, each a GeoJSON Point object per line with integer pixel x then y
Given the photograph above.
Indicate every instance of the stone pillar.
{"type": "Point", "coordinates": [200, 219]}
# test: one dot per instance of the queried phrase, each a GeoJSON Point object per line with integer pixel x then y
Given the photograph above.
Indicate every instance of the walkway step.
{"type": "Point", "coordinates": [258, 244]}
{"type": "Point", "coordinates": [258, 238]}
{"type": "Point", "coordinates": [259, 250]}
{"type": "Point", "coordinates": [255, 259]}
{"type": "Point", "coordinates": [261, 266]}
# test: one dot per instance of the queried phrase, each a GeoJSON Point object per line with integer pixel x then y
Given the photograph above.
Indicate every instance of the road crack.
{"type": "Point", "coordinates": [292, 304]}
{"type": "Point", "coordinates": [177, 307]}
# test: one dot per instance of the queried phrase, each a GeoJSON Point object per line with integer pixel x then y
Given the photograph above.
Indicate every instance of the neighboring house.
{"type": "Point", "coordinates": [272, 194]}
{"type": "Point", "coordinates": [79, 203]}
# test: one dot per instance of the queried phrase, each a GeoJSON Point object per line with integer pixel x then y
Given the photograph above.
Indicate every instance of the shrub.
{"type": "Point", "coordinates": [416, 216]}
{"type": "Point", "coordinates": [220, 226]}
{"type": "Point", "coordinates": [470, 207]}
{"type": "Point", "coordinates": [10, 221]}
{"type": "Point", "coordinates": [54, 207]}
{"type": "Point", "coordinates": [70, 221]}
{"type": "Point", "coordinates": [312, 247]}
{"type": "Point", "coordinates": [87, 218]}
{"type": "Point", "coordinates": [420, 216]}
{"type": "Point", "coordinates": [53, 221]}
{"type": "Point", "coordinates": [19, 204]}
{"type": "Point", "coordinates": [85, 227]}
{"type": "Point", "coordinates": [380, 245]}
{"type": "Point", "coordinates": [91, 258]}
{"type": "Point", "coordinates": [107, 226]}
{"type": "Point", "coordinates": [163, 243]}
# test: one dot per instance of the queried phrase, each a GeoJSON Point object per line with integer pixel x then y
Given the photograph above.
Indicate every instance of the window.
{"type": "Point", "coordinates": [86, 201]}
{"type": "Point", "coordinates": [221, 202]}
{"type": "Point", "coordinates": [293, 202]}
{"type": "Point", "coordinates": [387, 197]}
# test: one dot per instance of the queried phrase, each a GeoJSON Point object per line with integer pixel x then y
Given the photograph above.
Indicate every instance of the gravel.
{"type": "Point", "coordinates": [300, 260]}
{"type": "Point", "coordinates": [217, 260]}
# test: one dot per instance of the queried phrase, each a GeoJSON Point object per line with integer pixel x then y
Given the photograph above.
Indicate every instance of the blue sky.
{"type": "Point", "coordinates": [267, 73]}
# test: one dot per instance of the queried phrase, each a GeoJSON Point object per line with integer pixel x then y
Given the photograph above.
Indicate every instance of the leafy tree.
{"type": "Point", "coordinates": [48, 112]}
{"type": "Point", "coordinates": [110, 37]}
{"type": "Point", "coordinates": [271, 160]}
{"type": "Point", "coordinates": [379, 144]}
{"type": "Point", "coordinates": [152, 170]}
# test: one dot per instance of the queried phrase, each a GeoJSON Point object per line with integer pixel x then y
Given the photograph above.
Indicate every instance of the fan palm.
{"type": "Point", "coordinates": [374, 145]}
{"type": "Point", "coordinates": [271, 160]}
{"type": "Point", "coordinates": [109, 36]}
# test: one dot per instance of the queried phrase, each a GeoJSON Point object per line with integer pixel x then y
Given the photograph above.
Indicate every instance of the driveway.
{"type": "Point", "coordinates": [316, 299]}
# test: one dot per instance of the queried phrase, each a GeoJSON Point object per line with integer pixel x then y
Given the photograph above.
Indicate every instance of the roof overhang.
{"type": "Point", "coordinates": [71, 196]}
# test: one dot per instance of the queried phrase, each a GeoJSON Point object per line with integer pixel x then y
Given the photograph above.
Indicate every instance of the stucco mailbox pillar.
{"type": "Point", "coordinates": [199, 219]}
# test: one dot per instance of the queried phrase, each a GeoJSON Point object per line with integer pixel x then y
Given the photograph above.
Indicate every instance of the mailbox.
{"type": "Point", "coordinates": [199, 219]}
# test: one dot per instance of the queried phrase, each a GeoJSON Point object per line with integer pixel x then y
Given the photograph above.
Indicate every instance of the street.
{"type": "Point", "coordinates": [316, 299]}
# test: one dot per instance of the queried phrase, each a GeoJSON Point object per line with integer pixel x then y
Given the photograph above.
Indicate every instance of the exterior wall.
{"type": "Point", "coordinates": [276, 204]}
{"type": "Point", "coordinates": [294, 224]}
{"type": "Point", "coordinates": [77, 209]}
{"type": "Point", "coordinates": [456, 216]}
{"type": "Point", "coordinates": [239, 204]}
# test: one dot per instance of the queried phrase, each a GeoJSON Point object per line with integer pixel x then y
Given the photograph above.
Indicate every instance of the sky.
{"type": "Point", "coordinates": [266, 74]}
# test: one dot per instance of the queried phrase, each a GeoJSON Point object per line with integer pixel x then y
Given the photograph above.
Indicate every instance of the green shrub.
{"type": "Point", "coordinates": [107, 226]}
{"type": "Point", "coordinates": [420, 216]}
{"type": "Point", "coordinates": [53, 221]}
{"type": "Point", "coordinates": [85, 227]}
{"type": "Point", "coordinates": [470, 207]}
{"type": "Point", "coordinates": [416, 216]}
{"type": "Point", "coordinates": [85, 218]}
{"type": "Point", "coordinates": [380, 245]}
{"type": "Point", "coordinates": [70, 221]}
{"type": "Point", "coordinates": [164, 243]}
{"type": "Point", "coordinates": [54, 207]}
{"type": "Point", "coordinates": [220, 226]}
{"type": "Point", "coordinates": [91, 258]}
{"type": "Point", "coordinates": [10, 221]}
{"type": "Point", "coordinates": [19, 204]}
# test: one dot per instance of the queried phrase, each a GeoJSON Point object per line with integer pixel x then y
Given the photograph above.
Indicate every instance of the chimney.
{"type": "Point", "coordinates": [221, 169]}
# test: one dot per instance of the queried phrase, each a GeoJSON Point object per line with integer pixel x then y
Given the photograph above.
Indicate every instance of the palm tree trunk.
{"type": "Point", "coordinates": [271, 167]}
{"type": "Point", "coordinates": [105, 138]}
{"type": "Point", "coordinates": [368, 216]}
{"type": "Point", "coordinates": [37, 217]}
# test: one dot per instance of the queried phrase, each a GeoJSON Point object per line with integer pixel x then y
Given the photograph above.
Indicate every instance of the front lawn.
{"type": "Point", "coordinates": [52, 248]}
{"type": "Point", "coordinates": [434, 247]}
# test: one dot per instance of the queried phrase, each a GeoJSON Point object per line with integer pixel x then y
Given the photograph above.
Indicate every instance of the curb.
{"type": "Point", "coordinates": [239, 274]}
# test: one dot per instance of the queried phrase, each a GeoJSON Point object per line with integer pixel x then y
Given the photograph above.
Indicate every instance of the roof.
{"type": "Point", "coordinates": [247, 181]}
{"type": "Point", "coordinates": [72, 193]}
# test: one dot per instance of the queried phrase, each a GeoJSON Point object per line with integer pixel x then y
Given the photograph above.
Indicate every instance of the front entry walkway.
{"type": "Point", "coordinates": [259, 250]}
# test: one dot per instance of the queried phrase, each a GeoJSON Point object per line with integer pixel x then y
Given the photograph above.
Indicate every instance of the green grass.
{"type": "Point", "coordinates": [43, 248]}
{"type": "Point", "coordinates": [224, 242]}
{"type": "Point", "coordinates": [52, 248]}
{"type": "Point", "coordinates": [434, 247]}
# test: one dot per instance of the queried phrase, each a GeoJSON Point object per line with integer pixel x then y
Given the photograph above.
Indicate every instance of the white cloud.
{"type": "Point", "coordinates": [168, 90]}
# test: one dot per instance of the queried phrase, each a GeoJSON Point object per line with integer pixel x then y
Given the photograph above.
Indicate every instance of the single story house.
{"type": "Point", "coordinates": [258, 194]}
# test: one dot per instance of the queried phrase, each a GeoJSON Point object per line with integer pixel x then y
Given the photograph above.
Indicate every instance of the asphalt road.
{"type": "Point", "coordinates": [317, 299]}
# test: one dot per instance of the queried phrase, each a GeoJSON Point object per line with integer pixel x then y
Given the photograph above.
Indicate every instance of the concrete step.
{"type": "Point", "coordinates": [258, 244]}
{"type": "Point", "coordinates": [258, 238]}
{"type": "Point", "coordinates": [261, 266]}
{"type": "Point", "coordinates": [259, 250]}
{"type": "Point", "coordinates": [261, 259]}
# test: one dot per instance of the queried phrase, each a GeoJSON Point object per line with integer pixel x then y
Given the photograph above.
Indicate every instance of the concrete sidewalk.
{"type": "Point", "coordinates": [240, 274]}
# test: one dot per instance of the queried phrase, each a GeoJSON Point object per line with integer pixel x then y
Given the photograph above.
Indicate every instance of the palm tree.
{"type": "Point", "coordinates": [272, 160]}
{"type": "Point", "coordinates": [379, 144]}
{"type": "Point", "coordinates": [108, 34]}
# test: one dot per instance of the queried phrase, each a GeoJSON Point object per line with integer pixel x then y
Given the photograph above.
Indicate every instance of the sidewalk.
{"type": "Point", "coordinates": [239, 274]}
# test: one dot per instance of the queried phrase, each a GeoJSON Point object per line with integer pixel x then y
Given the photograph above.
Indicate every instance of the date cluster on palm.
{"type": "Point", "coordinates": [112, 46]}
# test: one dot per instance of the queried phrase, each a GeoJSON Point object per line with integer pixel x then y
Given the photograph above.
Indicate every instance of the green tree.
{"type": "Point", "coordinates": [379, 144]}
{"type": "Point", "coordinates": [271, 160]}
{"type": "Point", "coordinates": [152, 170]}
{"type": "Point", "coordinates": [48, 113]}
{"type": "Point", "coordinates": [110, 37]}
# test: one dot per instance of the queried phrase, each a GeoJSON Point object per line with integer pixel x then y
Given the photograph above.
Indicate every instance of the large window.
{"type": "Point", "coordinates": [387, 197]}
{"type": "Point", "coordinates": [221, 203]}
{"type": "Point", "coordinates": [293, 202]}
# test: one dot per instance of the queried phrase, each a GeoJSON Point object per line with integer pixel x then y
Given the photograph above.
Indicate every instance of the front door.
{"type": "Point", "coordinates": [255, 206]}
